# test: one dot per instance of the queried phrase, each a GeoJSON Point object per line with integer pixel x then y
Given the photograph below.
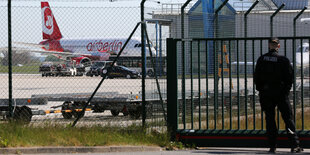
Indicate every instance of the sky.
{"type": "Point", "coordinates": [78, 18]}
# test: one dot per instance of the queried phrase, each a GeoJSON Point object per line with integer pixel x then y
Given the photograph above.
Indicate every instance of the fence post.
{"type": "Point", "coordinates": [271, 19]}
{"type": "Point", "coordinates": [143, 62]}
{"type": "Point", "coordinates": [183, 61]}
{"type": "Point", "coordinates": [294, 59]}
{"type": "Point", "coordinates": [298, 15]}
{"type": "Point", "coordinates": [10, 59]}
{"type": "Point", "coordinates": [216, 64]}
{"type": "Point", "coordinates": [216, 16]}
{"type": "Point", "coordinates": [172, 88]}
{"type": "Point", "coordinates": [245, 58]}
{"type": "Point", "coordinates": [246, 18]}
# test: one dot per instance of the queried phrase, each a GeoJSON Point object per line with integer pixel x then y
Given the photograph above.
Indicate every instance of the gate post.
{"type": "Point", "coordinates": [172, 89]}
{"type": "Point", "coordinates": [10, 108]}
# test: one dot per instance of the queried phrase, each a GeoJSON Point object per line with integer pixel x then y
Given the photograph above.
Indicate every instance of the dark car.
{"type": "Point", "coordinates": [120, 71]}
{"type": "Point", "coordinates": [97, 66]}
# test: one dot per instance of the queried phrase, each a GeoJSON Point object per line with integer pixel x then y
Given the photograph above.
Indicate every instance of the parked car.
{"type": "Point", "coordinates": [119, 71]}
{"type": "Point", "coordinates": [97, 66]}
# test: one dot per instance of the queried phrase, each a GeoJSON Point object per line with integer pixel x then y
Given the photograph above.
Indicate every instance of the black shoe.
{"type": "Point", "coordinates": [297, 149]}
{"type": "Point", "coordinates": [272, 150]}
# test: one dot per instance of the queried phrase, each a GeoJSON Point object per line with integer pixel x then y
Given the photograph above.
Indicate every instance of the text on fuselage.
{"type": "Point", "coordinates": [104, 46]}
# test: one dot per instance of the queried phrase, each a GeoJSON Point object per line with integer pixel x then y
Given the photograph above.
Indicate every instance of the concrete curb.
{"type": "Point", "coordinates": [78, 149]}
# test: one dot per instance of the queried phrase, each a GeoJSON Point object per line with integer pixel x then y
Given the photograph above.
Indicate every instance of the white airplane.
{"type": "Point", "coordinates": [302, 57]}
{"type": "Point", "coordinates": [82, 51]}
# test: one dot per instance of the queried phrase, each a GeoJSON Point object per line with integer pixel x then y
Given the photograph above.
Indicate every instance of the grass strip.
{"type": "Point", "coordinates": [15, 135]}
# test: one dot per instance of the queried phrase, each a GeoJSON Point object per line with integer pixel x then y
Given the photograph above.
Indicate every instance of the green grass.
{"type": "Point", "coordinates": [29, 69]}
{"type": "Point", "coordinates": [14, 135]}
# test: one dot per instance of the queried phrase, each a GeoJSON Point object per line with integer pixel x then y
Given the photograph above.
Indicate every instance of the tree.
{"type": "Point", "coordinates": [17, 58]}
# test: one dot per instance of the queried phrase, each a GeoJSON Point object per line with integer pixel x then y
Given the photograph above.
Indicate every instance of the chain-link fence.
{"type": "Point", "coordinates": [207, 66]}
{"type": "Point", "coordinates": [206, 19]}
{"type": "Point", "coordinates": [61, 50]}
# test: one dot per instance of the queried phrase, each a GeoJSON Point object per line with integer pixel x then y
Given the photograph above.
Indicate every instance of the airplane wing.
{"type": "Point", "coordinates": [37, 48]}
{"type": "Point", "coordinates": [29, 44]}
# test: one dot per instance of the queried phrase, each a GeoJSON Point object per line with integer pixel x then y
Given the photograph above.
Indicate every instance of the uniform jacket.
{"type": "Point", "coordinates": [273, 74]}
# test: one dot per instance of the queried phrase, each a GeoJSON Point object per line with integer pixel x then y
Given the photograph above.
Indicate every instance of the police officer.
{"type": "Point", "coordinates": [273, 77]}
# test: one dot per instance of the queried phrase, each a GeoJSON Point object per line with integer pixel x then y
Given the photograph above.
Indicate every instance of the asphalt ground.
{"type": "Point", "coordinates": [141, 150]}
{"type": "Point", "coordinates": [28, 85]}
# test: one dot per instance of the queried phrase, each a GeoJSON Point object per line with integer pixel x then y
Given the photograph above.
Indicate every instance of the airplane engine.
{"type": "Point", "coordinates": [86, 62]}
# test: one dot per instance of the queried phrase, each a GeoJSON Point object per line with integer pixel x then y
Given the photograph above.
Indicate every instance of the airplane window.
{"type": "Point", "coordinates": [298, 50]}
{"type": "Point", "coordinates": [307, 49]}
{"type": "Point", "coordinates": [304, 49]}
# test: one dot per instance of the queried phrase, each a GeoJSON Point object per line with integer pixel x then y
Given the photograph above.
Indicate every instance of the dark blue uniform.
{"type": "Point", "coordinates": [273, 77]}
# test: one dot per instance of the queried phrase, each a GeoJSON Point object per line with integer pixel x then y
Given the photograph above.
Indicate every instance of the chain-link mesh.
{"type": "Point", "coordinates": [56, 71]}
{"type": "Point", "coordinates": [200, 21]}
{"type": "Point", "coordinates": [64, 82]}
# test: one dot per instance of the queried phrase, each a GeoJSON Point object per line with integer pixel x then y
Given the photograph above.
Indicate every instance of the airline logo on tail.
{"type": "Point", "coordinates": [49, 26]}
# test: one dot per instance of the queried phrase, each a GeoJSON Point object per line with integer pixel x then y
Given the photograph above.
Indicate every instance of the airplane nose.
{"type": "Point", "coordinates": [298, 59]}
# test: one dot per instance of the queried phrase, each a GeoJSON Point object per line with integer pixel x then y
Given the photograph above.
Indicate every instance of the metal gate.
{"type": "Point", "coordinates": [212, 99]}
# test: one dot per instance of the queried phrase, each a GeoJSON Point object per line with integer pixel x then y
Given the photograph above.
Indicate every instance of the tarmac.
{"type": "Point", "coordinates": [138, 150]}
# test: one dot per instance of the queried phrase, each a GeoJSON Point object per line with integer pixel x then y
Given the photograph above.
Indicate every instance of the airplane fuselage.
{"type": "Point", "coordinates": [82, 50]}
{"type": "Point", "coordinates": [302, 56]}
{"type": "Point", "coordinates": [98, 49]}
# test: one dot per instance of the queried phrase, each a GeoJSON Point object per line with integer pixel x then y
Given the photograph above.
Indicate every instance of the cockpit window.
{"type": "Point", "coordinates": [305, 49]}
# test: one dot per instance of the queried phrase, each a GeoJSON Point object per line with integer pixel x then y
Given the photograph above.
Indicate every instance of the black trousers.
{"type": "Point", "coordinates": [268, 104]}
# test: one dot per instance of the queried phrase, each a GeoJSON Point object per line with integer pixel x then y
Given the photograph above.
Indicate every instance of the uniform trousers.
{"type": "Point", "coordinates": [268, 103]}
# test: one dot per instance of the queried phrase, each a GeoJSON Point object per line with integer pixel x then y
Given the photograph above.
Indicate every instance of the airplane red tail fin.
{"type": "Point", "coordinates": [50, 28]}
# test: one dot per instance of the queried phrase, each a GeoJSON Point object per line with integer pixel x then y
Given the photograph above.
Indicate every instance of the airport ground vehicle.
{"type": "Point", "coordinates": [128, 104]}
{"type": "Point", "coordinates": [96, 67]}
{"type": "Point", "coordinates": [50, 69]}
{"type": "Point", "coordinates": [119, 71]}
{"type": "Point", "coordinates": [135, 63]}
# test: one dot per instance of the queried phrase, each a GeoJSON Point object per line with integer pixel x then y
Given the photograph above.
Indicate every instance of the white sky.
{"type": "Point", "coordinates": [78, 18]}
